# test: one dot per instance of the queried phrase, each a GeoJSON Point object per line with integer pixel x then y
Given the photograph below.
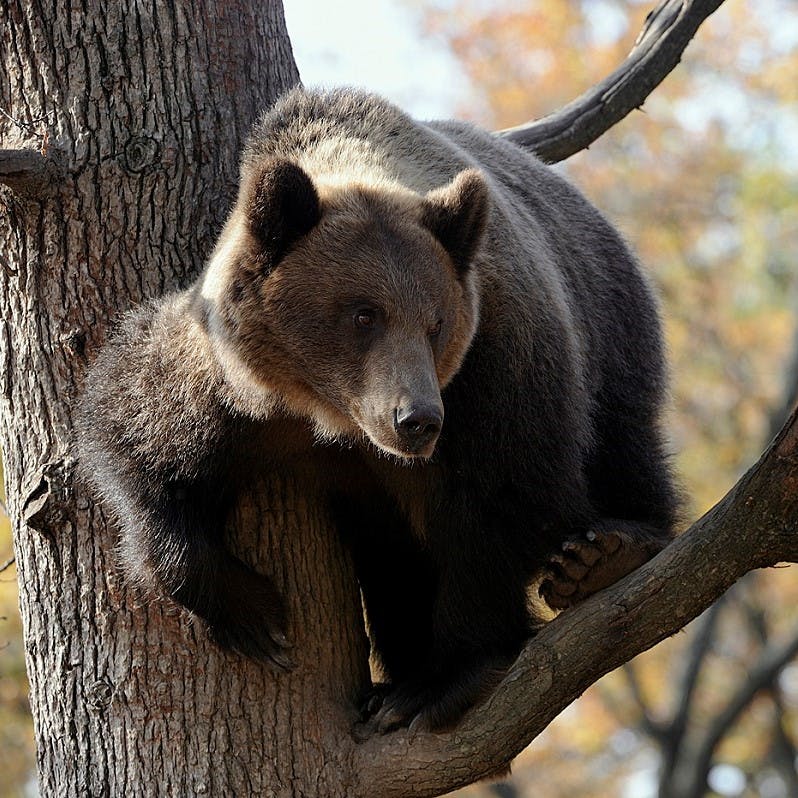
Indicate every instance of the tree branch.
{"type": "Point", "coordinates": [25, 171]}
{"type": "Point", "coordinates": [753, 526]}
{"type": "Point", "coordinates": [649, 724]}
{"type": "Point", "coordinates": [789, 393]}
{"type": "Point", "coordinates": [760, 676]}
{"type": "Point", "coordinates": [667, 31]}
{"type": "Point", "coordinates": [674, 749]}
{"type": "Point", "coordinates": [702, 642]}
{"type": "Point", "coordinates": [784, 755]}
{"type": "Point", "coordinates": [783, 752]}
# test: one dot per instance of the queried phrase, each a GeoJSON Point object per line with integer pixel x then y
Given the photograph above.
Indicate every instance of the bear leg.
{"type": "Point", "coordinates": [479, 624]}
{"type": "Point", "coordinates": [397, 580]}
{"type": "Point", "coordinates": [180, 548]}
{"type": "Point", "coordinates": [432, 703]}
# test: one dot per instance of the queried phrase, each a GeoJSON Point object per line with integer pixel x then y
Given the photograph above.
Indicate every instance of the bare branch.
{"type": "Point", "coordinates": [789, 394]}
{"type": "Point", "coordinates": [702, 642]}
{"type": "Point", "coordinates": [676, 755]}
{"type": "Point", "coordinates": [783, 752]}
{"type": "Point", "coordinates": [650, 725]}
{"type": "Point", "coordinates": [25, 171]}
{"type": "Point", "coordinates": [644, 718]}
{"type": "Point", "coordinates": [658, 49]}
{"type": "Point", "coordinates": [752, 526]}
{"type": "Point", "coordinates": [764, 672]}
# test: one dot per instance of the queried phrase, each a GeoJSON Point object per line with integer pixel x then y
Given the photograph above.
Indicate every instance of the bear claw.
{"type": "Point", "coordinates": [261, 644]}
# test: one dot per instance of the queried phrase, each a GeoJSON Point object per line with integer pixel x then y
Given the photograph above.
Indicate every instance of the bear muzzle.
{"type": "Point", "coordinates": [417, 427]}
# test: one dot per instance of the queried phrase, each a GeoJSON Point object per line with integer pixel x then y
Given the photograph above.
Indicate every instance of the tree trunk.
{"type": "Point", "coordinates": [141, 111]}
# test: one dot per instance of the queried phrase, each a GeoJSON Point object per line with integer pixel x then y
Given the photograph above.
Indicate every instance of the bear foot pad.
{"type": "Point", "coordinates": [590, 564]}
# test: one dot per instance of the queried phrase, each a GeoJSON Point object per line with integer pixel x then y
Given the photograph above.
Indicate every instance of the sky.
{"type": "Point", "coordinates": [376, 44]}
{"type": "Point", "coordinates": [380, 45]}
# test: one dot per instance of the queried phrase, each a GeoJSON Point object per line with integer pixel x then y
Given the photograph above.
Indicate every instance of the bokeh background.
{"type": "Point", "coordinates": [703, 181]}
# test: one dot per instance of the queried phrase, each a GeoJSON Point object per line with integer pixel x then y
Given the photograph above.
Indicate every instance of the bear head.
{"type": "Point", "coordinates": [351, 305]}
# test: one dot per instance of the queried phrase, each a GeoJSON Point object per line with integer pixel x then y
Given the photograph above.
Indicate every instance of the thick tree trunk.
{"type": "Point", "coordinates": [141, 110]}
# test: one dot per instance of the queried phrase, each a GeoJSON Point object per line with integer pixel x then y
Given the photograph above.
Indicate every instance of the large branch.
{"type": "Point", "coordinates": [753, 526]}
{"type": "Point", "coordinates": [667, 31]}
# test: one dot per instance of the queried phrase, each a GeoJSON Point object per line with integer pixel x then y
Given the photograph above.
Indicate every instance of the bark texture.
{"type": "Point", "coordinates": [140, 112]}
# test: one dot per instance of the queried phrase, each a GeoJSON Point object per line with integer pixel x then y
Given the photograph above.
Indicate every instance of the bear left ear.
{"type": "Point", "coordinates": [457, 214]}
{"type": "Point", "coordinates": [282, 205]}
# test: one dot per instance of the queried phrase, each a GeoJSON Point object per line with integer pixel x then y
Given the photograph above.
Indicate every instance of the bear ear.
{"type": "Point", "coordinates": [457, 214]}
{"type": "Point", "coordinates": [281, 206]}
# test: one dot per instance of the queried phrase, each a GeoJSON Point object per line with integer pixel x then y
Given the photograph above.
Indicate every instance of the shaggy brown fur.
{"type": "Point", "coordinates": [459, 318]}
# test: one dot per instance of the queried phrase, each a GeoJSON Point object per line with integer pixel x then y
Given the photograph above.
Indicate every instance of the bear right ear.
{"type": "Point", "coordinates": [282, 205]}
{"type": "Point", "coordinates": [457, 215]}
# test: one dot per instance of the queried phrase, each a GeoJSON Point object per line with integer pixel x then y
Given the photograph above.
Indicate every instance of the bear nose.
{"type": "Point", "coordinates": [418, 425]}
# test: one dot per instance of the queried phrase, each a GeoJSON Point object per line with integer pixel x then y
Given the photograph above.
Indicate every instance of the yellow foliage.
{"type": "Point", "coordinates": [16, 732]}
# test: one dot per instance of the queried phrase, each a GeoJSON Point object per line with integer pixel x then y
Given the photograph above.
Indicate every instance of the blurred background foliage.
{"type": "Point", "coordinates": [16, 728]}
{"type": "Point", "coordinates": [704, 184]}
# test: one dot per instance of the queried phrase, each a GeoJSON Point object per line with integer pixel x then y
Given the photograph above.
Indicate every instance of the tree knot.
{"type": "Point", "coordinates": [47, 493]}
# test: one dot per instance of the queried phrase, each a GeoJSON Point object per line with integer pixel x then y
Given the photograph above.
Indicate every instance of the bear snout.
{"type": "Point", "coordinates": [418, 427]}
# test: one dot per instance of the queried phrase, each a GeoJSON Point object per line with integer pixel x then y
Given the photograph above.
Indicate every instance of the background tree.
{"type": "Point", "coordinates": [119, 179]}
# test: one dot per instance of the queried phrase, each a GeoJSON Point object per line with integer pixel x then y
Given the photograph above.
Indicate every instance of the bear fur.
{"type": "Point", "coordinates": [470, 335]}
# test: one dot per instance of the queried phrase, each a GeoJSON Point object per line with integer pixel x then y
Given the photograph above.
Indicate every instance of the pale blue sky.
{"type": "Point", "coordinates": [376, 44]}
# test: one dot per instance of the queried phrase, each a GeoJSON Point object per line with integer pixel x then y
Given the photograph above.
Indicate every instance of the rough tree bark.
{"type": "Point", "coordinates": [121, 126]}
{"type": "Point", "coordinates": [141, 110]}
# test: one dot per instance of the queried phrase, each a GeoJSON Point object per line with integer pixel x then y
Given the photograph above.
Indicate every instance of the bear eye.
{"type": "Point", "coordinates": [435, 330]}
{"type": "Point", "coordinates": [365, 318]}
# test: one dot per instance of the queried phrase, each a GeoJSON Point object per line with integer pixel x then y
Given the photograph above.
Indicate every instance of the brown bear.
{"type": "Point", "coordinates": [463, 326]}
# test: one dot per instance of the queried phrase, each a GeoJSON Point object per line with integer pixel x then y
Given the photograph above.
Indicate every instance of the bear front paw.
{"type": "Point", "coordinates": [428, 704]}
{"type": "Point", "coordinates": [251, 619]}
{"type": "Point", "coordinates": [264, 642]}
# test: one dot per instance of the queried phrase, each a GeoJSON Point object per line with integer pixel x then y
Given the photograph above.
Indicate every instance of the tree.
{"type": "Point", "coordinates": [117, 180]}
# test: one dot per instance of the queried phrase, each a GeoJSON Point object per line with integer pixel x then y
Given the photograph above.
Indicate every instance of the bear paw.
{"type": "Point", "coordinates": [386, 708]}
{"type": "Point", "coordinates": [427, 705]}
{"type": "Point", "coordinates": [590, 564]}
{"type": "Point", "coordinates": [251, 618]}
{"type": "Point", "coordinates": [263, 642]}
